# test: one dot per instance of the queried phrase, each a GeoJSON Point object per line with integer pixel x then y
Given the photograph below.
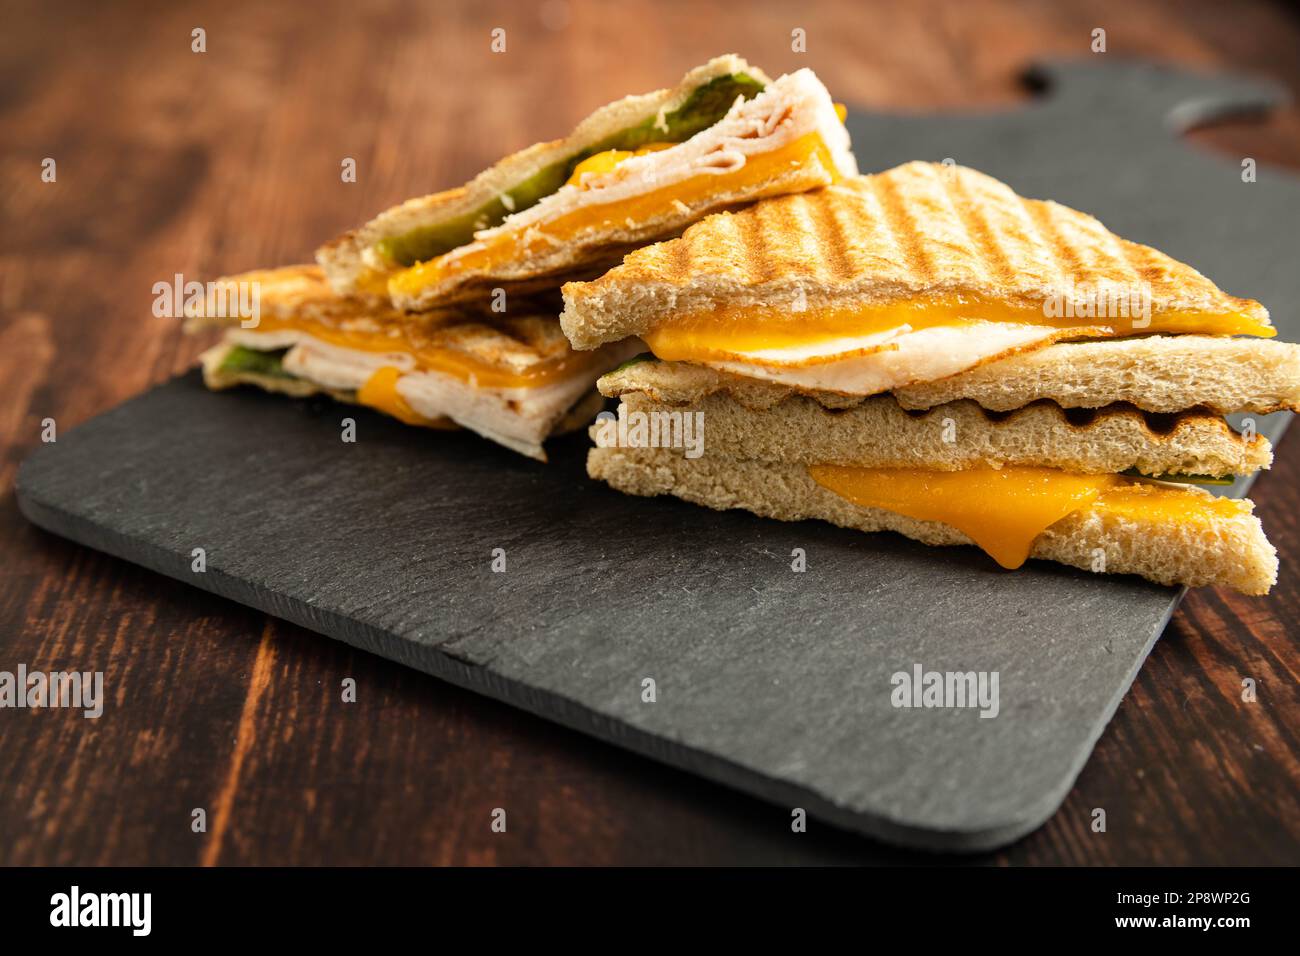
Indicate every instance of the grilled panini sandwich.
{"type": "Point", "coordinates": [634, 171]}
{"type": "Point", "coordinates": [925, 352]}
{"type": "Point", "coordinates": [510, 378]}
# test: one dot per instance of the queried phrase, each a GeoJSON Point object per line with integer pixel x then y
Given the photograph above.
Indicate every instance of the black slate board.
{"type": "Point", "coordinates": [771, 681]}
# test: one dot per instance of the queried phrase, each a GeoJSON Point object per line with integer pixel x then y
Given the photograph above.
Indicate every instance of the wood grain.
{"type": "Point", "coordinates": [172, 161]}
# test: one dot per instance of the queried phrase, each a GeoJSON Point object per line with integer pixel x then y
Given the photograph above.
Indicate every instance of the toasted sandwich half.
{"type": "Point", "coordinates": [511, 378]}
{"type": "Point", "coordinates": [924, 352]}
{"type": "Point", "coordinates": [634, 171]}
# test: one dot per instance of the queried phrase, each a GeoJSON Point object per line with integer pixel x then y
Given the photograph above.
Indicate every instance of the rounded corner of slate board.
{"type": "Point", "coordinates": [28, 477]}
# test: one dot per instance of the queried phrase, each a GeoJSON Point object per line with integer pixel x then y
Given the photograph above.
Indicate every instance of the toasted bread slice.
{"type": "Point", "coordinates": [1229, 550]}
{"type": "Point", "coordinates": [1158, 373]}
{"type": "Point", "coordinates": [878, 433]}
{"type": "Point", "coordinates": [921, 234]}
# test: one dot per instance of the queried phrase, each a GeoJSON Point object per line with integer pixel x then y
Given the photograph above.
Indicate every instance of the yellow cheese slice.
{"type": "Point", "coordinates": [719, 334]}
{"type": "Point", "coordinates": [407, 338]}
{"type": "Point", "coordinates": [1003, 510]}
{"type": "Point", "coordinates": [372, 282]}
{"type": "Point", "coordinates": [605, 161]}
{"type": "Point", "coordinates": [519, 245]}
{"type": "Point", "coordinates": [380, 393]}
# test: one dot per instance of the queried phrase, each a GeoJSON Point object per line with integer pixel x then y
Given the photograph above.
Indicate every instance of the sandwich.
{"type": "Point", "coordinates": [923, 351]}
{"type": "Point", "coordinates": [634, 171]}
{"type": "Point", "coordinates": [512, 378]}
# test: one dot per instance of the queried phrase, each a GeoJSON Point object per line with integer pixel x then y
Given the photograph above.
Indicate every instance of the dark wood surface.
{"type": "Point", "coordinates": [171, 161]}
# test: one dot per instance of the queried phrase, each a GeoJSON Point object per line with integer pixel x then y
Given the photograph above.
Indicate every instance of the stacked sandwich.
{"type": "Point", "coordinates": [923, 351]}
{"type": "Point", "coordinates": [430, 312]}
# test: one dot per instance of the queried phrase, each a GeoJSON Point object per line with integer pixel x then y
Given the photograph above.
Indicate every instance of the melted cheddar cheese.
{"type": "Point", "coordinates": [1004, 510]}
{"type": "Point", "coordinates": [719, 333]}
{"type": "Point", "coordinates": [372, 282]}
{"type": "Point", "coordinates": [517, 245]}
{"type": "Point", "coordinates": [409, 339]}
{"type": "Point", "coordinates": [606, 161]}
{"type": "Point", "coordinates": [380, 392]}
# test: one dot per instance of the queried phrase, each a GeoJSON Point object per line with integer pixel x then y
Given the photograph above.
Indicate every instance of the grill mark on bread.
{"type": "Point", "coordinates": [1107, 252]}
{"type": "Point", "coordinates": [1143, 265]}
{"type": "Point", "coordinates": [833, 244]}
{"type": "Point", "coordinates": [984, 239]}
{"type": "Point", "coordinates": [757, 259]}
{"type": "Point", "coordinates": [1063, 258]}
{"type": "Point", "coordinates": [677, 258]}
{"type": "Point", "coordinates": [902, 229]}
{"type": "Point", "coordinates": [812, 243]}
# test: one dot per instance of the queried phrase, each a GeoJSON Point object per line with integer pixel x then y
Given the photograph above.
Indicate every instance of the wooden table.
{"type": "Point", "coordinates": [206, 163]}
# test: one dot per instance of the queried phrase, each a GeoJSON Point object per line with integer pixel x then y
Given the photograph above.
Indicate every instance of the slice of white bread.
{"type": "Point", "coordinates": [1229, 552]}
{"type": "Point", "coordinates": [919, 231]}
{"type": "Point", "coordinates": [1156, 373]}
{"type": "Point", "coordinates": [877, 433]}
{"type": "Point", "coordinates": [344, 259]}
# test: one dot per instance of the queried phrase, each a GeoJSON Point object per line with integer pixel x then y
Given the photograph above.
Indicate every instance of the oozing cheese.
{"type": "Point", "coordinates": [1004, 510]}
{"type": "Point", "coordinates": [372, 282]}
{"type": "Point", "coordinates": [515, 246]}
{"type": "Point", "coordinates": [380, 392]}
{"type": "Point", "coordinates": [727, 332]}
{"type": "Point", "coordinates": [430, 357]}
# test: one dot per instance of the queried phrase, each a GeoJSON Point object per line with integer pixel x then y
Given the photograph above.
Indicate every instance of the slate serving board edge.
{"type": "Point", "coordinates": [559, 709]}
